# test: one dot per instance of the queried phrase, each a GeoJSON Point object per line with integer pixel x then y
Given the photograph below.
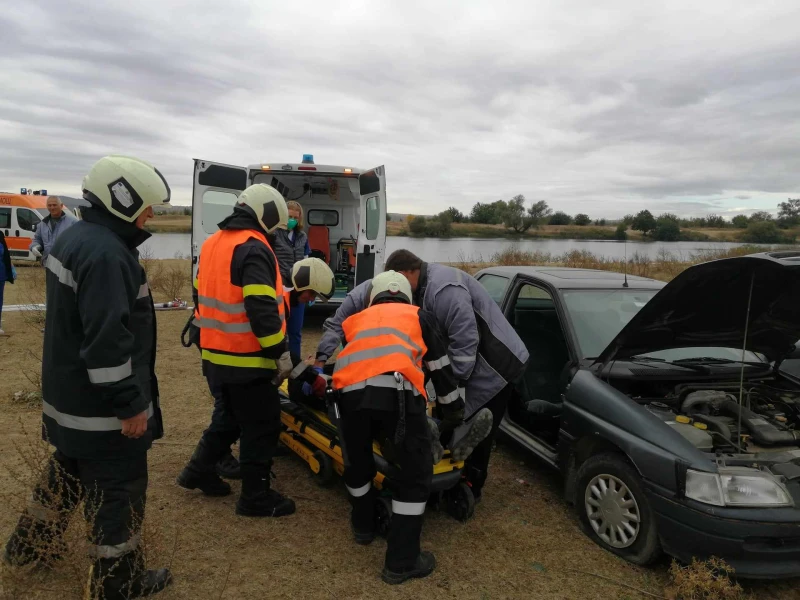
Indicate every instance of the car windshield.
{"type": "Point", "coordinates": [599, 315]}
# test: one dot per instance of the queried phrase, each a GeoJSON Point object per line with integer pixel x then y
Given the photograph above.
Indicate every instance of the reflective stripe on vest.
{"type": "Point", "coordinates": [226, 336]}
{"type": "Point", "coordinates": [381, 340]}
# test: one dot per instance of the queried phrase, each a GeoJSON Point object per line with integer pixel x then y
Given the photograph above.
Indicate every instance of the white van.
{"type": "Point", "coordinates": [344, 209]}
{"type": "Point", "coordinates": [20, 214]}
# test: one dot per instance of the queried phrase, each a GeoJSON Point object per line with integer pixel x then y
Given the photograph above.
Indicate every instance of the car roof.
{"type": "Point", "coordinates": [572, 278]}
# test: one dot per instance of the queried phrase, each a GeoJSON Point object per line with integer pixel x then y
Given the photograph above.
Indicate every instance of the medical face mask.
{"type": "Point", "coordinates": [292, 223]}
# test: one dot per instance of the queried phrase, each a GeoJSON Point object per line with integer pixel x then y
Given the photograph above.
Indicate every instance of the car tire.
{"type": "Point", "coordinates": [613, 509]}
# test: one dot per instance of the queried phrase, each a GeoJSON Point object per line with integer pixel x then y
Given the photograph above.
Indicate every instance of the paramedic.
{"type": "Point", "coordinates": [291, 246]}
{"type": "Point", "coordinates": [51, 227]}
{"type": "Point", "coordinates": [311, 279]}
{"type": "Point", "coordinates": [100, 394]}
{"type": "Point", "coordinates": [240, 314]}
{"type": "Point", "coordinates": [392, 337]}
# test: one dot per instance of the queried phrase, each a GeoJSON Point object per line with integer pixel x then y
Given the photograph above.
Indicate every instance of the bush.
{"type": "Point", "coordinates": [667, 228]}
{"type": "Point", "coordinates": [765, 232]}
{"type": "Point", "coordinates": [600, 222]}
{"type": "Point", "coordinates": [740, 221]}
{"type": "Point", "coordinates": [560, 218]}
{"type": "Point", "coordinates": [582, 220]}
{"type": "Point", "coordinates": [417, 225]}
{"type": "Point", "coordinates": [621, 232]}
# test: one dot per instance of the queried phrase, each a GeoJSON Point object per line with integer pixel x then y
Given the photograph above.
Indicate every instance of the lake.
{"type": "Point", "coordinates": [172, 245]}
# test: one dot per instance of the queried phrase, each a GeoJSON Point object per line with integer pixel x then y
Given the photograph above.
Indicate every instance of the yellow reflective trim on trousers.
{"type": "Point", "coordinates": [228, 360]}
{"type": "Point", "coordinates": [271, 340]}
{"type": "Point", "coordinates": [255, 289]}
{"type": "Point", "coordinates": [196, 283]}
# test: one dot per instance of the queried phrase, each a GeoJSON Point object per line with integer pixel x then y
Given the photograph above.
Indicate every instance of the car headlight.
{"type": "Point", "coordinates": [737, 487]}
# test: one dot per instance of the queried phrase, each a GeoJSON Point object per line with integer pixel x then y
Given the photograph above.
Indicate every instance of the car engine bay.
{"type": "Point", "coordinates": [709, 415]}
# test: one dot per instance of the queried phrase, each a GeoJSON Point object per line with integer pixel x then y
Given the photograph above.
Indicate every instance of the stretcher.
{"type": "Point", "coordinates": [312, 435]}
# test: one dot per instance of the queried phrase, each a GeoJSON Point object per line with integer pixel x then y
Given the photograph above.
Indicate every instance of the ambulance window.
{"type": "Point", "coordinates": [5, 218]}
{"type": "Point", "coordinates": [329, 218]}
{"type": "Point", "coordinates": [373, 217]}
{"type": "Point", "coordinates": [216, 206]}
{"type": "Point", "coordinates": [27, 219]}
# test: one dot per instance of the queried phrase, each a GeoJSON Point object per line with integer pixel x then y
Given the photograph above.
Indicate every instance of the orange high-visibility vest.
{"type": "Point", "coordinates": [225, 331]}
{"type": "Point", "coordinates": [381, 340]}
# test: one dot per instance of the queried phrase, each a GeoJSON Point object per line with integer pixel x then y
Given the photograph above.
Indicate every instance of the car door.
{"type": "Point", "coordinates": [215, 191]}
{"type": "Point", "coordinates": [372, 224]}
{"type": "Point", "coordinates": [22, 229]}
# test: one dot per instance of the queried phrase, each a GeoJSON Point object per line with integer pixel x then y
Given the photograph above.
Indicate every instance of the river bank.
{"type": "Point", "coordinates": [183, 223]}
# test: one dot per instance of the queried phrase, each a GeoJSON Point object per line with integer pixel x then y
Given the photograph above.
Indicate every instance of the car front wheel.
{"type": "Point", "coordinates": [613, 509]}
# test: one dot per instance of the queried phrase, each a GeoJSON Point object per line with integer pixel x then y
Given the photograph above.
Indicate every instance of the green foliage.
{"type": "Point", "coordinates": [644, 222]}
{"type": "Point", "coordinates": [761, 216]}
{"type": "Point", "coordinates": [789, 213]}
{"type": "Point", "coordinates": [560, 218]}
{"type": "Point", "coordinates": [765, 232]}
{"type": "Point", "coordinates": [667, 228]}
{"type": "Point", "coordinates": [621, 232]}
{"type": "Point", "coordinates": [455, 215]}
{"type": "Point", "coordinates": [740, 221]}
{"type": "Point", "coordinates": [488, 213]}
{"type": "Point", "coordinates": [520, 220]}
{"type": "Point", "coordinates": [582, 219]}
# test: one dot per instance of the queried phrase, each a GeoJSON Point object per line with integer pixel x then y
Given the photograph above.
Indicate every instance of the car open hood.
{"type": "Point", "coordinates": [706, 305]}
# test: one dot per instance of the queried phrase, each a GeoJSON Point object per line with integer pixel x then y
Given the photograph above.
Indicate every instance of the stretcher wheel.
{"type": "Point", "coordinates": [326, 475]}
{"type": "Point", "coordinates": [383, 515]}
{"type": "Point", "coordinates": [460, 502]}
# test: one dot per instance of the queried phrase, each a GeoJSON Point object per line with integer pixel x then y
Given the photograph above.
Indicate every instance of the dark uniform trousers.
{"type": "Point", "coordinates": [114, 490]}
{"type": "Point", "coordinates": [250, 411]}
{"type": "Point", "coordinates": [477, 463]}
{"type": "Point", "coordinates": [360, 426]}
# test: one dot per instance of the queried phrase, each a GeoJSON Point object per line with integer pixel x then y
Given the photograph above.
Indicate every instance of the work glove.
{"type": "Point", "coordinates": [37, 251]}
{"type": "Point", "coordinates": [317, 388]}
{"type": "Point", "coordinates": [284, 368]}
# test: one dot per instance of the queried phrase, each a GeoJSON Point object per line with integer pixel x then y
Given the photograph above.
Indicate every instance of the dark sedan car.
{"type": "Point", "coordinates": [665, 406]}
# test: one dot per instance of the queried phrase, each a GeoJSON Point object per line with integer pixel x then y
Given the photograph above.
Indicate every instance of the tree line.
{"type": "Point", "coordinates": [514, 215]}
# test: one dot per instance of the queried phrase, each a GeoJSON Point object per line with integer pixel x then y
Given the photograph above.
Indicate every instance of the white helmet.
{"type": "Point", "coordinates": [267, 206]}
{"type": "Point", "coordinates": [313, 274]}
{"type": "Point", "coordinates": [390, 284]}
{"type": "Point", "coordinates": [126, 186]}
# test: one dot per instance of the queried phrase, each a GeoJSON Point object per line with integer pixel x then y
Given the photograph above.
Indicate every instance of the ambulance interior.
{"type": "Point", "coordinates": [331, 207]}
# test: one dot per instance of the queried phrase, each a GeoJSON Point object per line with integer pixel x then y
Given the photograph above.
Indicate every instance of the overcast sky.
{"type": "Point", "coordinates": [693, 107]}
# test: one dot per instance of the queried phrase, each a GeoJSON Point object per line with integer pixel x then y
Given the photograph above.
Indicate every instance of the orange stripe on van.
{"type": "Point", "coordinates": [24, 201]}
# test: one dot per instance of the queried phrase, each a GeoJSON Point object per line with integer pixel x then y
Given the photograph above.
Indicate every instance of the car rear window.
{"type": "Point", "coordinates": [329, 218]}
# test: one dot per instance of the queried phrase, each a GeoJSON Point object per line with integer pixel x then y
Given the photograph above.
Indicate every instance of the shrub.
{"type": "Point", "coordinates": [765, 232]}
{"type": "Point", "coordinates": [560, 218]}
{"type": "Point", "coordinates": [621, 232]}
{"type": "Point", "coordinates": [667, 228]}
{"type": "Point", "coordinates": [417, 225]}
{"type": "Point", "coordinates": [582, 219]}
{"type": "Point", "coordinates": [740, 221]}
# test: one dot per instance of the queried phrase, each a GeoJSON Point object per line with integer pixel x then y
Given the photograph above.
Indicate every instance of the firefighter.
{"type": "Point", "coordinates": [100, 394]}
{"type": "Point", "coordinates": [240, 313]}
{"type": "Point", "coordinates": [379, 376]}
{"type": "Point", "coordinates": [311, 279]}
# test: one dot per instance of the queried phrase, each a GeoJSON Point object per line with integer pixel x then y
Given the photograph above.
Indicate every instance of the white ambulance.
{"type": "Point", "coordinates": [344, 210]}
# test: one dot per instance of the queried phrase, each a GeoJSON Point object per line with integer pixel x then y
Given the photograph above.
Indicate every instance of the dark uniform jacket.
{"type": "Point", "coordinates": [98, 361]}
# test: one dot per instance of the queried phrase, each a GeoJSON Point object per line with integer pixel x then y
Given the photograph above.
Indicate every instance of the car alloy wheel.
{"type": "Point", "coordinates": [612, 511]}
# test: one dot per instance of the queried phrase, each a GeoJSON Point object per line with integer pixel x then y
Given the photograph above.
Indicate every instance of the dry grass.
{"type": "Point", "coordinates": [170, 223]}
{"type": "Point", "coordinates": [524, 541]}
{"type": "Point", "coordinates": [704, 580]}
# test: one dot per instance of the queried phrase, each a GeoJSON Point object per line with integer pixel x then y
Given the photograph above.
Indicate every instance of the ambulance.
{"type": "Point", "coordinates": [19, 216]}
{"type": "Point", "coordinates": [344, 210]}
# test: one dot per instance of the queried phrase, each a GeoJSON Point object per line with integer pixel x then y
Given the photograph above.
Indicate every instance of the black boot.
{"type": "Point", "coordinates": [123, 578]}
{"type": "Point", "coordinates": [426, 563]}
{"type": "Point", "coordinates": [228, 467]}
{"type": "Point", "coordinates": [362, 517]}
{"type": "Point", "coordinates": [200, 474]}
{"type": "Point", "coordinates": [259, 500]}
{"type": "Point", "coordinates": [35, 541]}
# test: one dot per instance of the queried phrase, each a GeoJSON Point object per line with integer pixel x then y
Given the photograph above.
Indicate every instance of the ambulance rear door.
{"type": "Point", "coordinates": [370, 252]}
{"type": "Point", "coordinates": [216, 189]}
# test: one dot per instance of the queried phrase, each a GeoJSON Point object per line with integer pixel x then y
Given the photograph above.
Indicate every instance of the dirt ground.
{"type": "Point", "coordinates": [523, 542]}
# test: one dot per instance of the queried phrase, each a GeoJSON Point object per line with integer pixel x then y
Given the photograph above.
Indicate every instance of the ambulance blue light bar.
{"type": "Point", "coordinates": [308, 159]}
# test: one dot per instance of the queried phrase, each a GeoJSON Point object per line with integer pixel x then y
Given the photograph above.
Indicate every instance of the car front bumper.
{"type": "Point", "coordinates": [755, 549]}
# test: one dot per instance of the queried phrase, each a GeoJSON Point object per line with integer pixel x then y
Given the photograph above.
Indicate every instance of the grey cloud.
{"type": "Point", "coordinates": [461, 106]}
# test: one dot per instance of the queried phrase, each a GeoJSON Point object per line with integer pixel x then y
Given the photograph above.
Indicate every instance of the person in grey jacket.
{"type": "Point", "coordinates": [52, 226]}
{"type": "Point", "coordinates": [486, 354]}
